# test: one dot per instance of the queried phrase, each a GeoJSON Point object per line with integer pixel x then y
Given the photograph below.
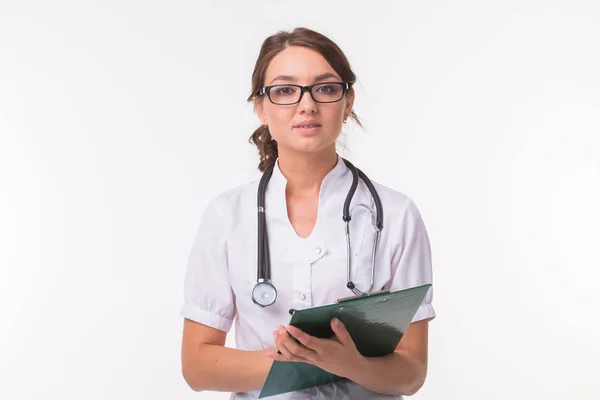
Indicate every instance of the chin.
{"type": "Point", "coordinates": [307, 143]}
{"type": "Point", "coordinates": [311, 147]}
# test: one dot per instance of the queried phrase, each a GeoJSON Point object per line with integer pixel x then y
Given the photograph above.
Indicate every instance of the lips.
{"type": "Point", "coordinates": [307, 124]}
{"type": "Point", "coordinates": [307, 129]}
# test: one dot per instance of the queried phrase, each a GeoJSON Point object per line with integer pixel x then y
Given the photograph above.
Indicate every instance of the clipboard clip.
{"type": "Point", "coordinates": [360, 296]}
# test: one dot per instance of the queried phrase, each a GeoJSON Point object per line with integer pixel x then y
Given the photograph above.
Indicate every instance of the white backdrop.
{"type": "Point", "coordinates": [120, 119]}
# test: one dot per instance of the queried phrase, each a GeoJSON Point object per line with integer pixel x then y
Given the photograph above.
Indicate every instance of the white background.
{"type": "Point", "coordinates": [120, 119]}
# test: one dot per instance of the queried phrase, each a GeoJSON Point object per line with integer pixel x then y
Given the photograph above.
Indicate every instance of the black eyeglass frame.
{"type": "Point", "coordinates": [267, 90]}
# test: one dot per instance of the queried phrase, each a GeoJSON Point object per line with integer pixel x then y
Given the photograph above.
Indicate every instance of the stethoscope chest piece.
{"type": "Point", "coordinates": [264, 293]}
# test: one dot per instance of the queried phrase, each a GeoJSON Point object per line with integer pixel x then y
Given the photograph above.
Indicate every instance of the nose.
{"type": "Point", "coordinates": [307, 103]}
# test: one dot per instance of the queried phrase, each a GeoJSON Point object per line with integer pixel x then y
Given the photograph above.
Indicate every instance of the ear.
{"type": "Point", "coordinates": [349, 102]}
{"type": "Point", "coordinates": [260, 111]}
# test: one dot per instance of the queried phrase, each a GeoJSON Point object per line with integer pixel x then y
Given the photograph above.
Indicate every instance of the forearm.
{"type": "Point", "coordinates": [224, 369]}
{"type": "Point", "coordinates": [395, 373]}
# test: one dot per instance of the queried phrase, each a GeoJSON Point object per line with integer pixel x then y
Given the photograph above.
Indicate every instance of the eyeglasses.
{"type": "Point", "coordinates": [326, 92]}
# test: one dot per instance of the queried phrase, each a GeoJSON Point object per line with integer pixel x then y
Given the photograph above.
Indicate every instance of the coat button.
{"type": "Point", "coordinates": [318, 250]}
{"type": "Point", "coordinates": [302, 296]}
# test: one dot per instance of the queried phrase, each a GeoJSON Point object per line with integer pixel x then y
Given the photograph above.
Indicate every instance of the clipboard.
{"type": "Point", "coordinates": [375, 322]}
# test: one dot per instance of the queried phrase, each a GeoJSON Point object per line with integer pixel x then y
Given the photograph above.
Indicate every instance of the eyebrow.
{"type": "Point", "coordinates": [318, 78]}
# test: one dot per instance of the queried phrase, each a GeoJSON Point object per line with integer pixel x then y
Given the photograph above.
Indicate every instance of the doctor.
{"type": "Point", "coordinates": [302, 92]}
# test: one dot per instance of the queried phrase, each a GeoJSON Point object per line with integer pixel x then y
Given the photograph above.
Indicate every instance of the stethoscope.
{"type": "Point", "coordinates": [264, 292]}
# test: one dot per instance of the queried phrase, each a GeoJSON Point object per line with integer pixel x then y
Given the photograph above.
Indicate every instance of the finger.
{"type": "Point", "coordinates": [298, 349]}
{"type": "Point", "coordinates": [340, 331]}
{"type": "Point", "coordinates": [287, 345]}
{"type": "Point", "coordinates": [290, 347]}
{"type": "Point", "coordinates": [280, 343]}
{"type": "Point", "coordinates": [310, 342]}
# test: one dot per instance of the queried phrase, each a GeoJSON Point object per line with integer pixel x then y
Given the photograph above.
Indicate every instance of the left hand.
{"type": "Point", "coordinates": [337, 355]}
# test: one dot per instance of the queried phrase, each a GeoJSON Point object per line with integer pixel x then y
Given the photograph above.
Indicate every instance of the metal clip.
{"type": "Point", "coordinates": [343, 299]}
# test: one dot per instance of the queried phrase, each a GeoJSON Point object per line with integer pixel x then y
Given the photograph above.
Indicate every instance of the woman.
{"type": "Point", "coordinates": [307, 247]}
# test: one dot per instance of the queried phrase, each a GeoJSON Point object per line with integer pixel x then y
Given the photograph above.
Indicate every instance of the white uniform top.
{"type": "Point", "coordinates": [222, 266]}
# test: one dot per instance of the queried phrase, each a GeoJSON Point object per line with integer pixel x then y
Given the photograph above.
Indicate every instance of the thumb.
{"type": "Point", "coordinates": [340, 331]}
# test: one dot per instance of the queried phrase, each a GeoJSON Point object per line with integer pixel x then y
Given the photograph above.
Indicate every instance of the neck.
{"type": "Point", "coordinates": [305, 172]}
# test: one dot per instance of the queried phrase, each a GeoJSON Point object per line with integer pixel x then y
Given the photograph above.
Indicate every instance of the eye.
{"type": "Point", "coordinates": [329, 89]}
{"type": "Point", "coordinates": [284, 90]}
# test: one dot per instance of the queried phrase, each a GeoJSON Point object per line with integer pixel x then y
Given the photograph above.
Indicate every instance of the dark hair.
{"type": "Point", "coordinates": [273, 45]}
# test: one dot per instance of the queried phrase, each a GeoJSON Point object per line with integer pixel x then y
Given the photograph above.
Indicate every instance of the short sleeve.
{"type": "Point", "coordinates": [411, 259]}
{"type": "Point", "coordinates": [208, 297]}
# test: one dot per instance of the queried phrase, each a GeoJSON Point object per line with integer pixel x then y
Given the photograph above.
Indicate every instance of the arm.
{"type": "Point", "coordinates": [208, 365]}
{"type": "Point", "coordinates": [209, 310]}
{"type": "Point", "coordinates": [401, 372]}
{"type": "Point", "coordinates": [405, 370]}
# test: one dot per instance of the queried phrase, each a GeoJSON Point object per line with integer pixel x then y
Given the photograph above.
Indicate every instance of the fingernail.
{"type": "Point", "coordinates": [336, 321]}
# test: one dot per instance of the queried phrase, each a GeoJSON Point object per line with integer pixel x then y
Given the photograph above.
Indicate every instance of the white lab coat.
{"type": "Point", "coordinates": [222, 266]}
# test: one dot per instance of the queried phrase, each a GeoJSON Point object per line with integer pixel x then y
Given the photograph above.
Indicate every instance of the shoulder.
{"type": "Point", "coordinates": [235, 200]}
{"type": "Point", "coordinates": [403, 224]}
{"type": "Point", "coordinates": [395, 203]}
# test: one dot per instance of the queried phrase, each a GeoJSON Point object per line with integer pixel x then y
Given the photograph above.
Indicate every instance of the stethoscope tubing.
{"type": "Point", "coordinates": [263, 259]}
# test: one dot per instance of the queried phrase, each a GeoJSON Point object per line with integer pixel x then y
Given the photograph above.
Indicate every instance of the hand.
{"type": "Point", "coordinates": [337, 355]}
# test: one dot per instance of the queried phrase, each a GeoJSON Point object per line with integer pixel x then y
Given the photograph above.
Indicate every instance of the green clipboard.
{"type": "Point", "coordinates": [376, 323]}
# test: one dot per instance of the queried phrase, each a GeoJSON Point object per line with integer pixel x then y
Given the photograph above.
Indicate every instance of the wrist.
{"type": "Point", "coordinates": [357, 368]}
{"type": "Point", "coordinates": [263, 365]}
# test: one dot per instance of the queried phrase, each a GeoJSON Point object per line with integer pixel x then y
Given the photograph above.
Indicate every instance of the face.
{"type": "Point", "coordinates": [302, 66]}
